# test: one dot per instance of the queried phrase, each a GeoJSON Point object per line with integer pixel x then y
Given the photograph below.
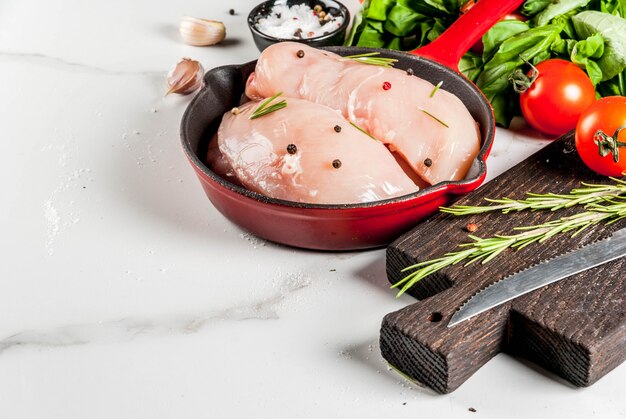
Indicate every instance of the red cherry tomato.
{"type": "Point", "coordinates": [557, 97]}
{"type": "Point", "coordinates": [601, 136]}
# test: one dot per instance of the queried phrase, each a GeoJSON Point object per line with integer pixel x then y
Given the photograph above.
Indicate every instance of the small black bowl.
{"type": "Point", "coordinates": [335, 37]}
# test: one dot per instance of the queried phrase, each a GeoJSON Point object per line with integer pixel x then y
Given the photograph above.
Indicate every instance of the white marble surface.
{"type": "Point", "coordinates": [124, 293]}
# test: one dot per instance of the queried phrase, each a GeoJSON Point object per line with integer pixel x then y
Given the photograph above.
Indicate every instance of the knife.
{"type": "Point", "coordinates": [542, 274]}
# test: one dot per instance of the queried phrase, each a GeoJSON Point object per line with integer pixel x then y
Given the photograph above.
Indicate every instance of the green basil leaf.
{"type": "Point", "coordinates": [582, 53]}
{"type": "Point", "coordinates": [394, 43]}
{"type": "Point", "coordinates": [442, 6]}
{"type": "Point", "coordinates": [424, 30]}
{"type": "Point", "coordinates": [557, 8]}
{"type": "Point", "coordinates": [560, 47]}
{"type": "Point", "coordinates": [377, 26]}
{"type": "Point", "coordinates": [504, 108]}
{"type": "Point", "coordinates": [437, 29]}
{"type": "Point", "coordinates": [499, 33]}
{"type": "Point", "coordinates": [402, 21]}
{"type": "Point", "coordinates": [357, 26]}
{"type": "Point", "coordinates": [371, 38]}
{"type": "Point", "coordinates": [614, 7]}
{"type": "Point", "coordinates": [566, 21]}
{"type": "Point", "coordinates": [430, 8]}
{"type": "Point", "coordinates": [511, 54]}
{"type": "Point", "coordinates": [613, 30]}
{"type": "Point", "coordinates": [471, 65]}
{"type": "Point", "coordinates": [532, 7]}
{"type": "Point", "coordinates": [454, 6]}
{"type": "Point", "coordinates": [613, 87]}
{"type": "Point", "coordinates": [541, 56]}
{"type": "Point", "coordinates": [378, 9]}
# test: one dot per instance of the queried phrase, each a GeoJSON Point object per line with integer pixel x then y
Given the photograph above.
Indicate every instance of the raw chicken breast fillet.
{"type": "Point", "coordinates": [436, 136]}
{"type": "Point", "coordinates": [325, 167]}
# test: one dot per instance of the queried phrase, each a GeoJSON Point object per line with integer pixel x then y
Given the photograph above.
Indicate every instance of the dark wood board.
{"type": "Point", "coordinates": [575, 328]}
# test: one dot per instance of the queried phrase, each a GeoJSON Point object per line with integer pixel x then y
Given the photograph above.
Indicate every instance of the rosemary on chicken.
{"type": "Point", "coordinates": [364, 132]}
{"type": "Point", "coordinates": [436, 88]}
{"type": "Point", "coordinates": [267, 106]}
{"type": "Point", "coordinates": [434, 117]}
{"type": "Point", "coordinates": [372, 58]}
{"type": "Point", "coordinates": [601, 203]}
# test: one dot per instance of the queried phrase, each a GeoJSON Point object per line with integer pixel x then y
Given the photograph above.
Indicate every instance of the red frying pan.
{"type": "Point", "coordinates": [346, 226]}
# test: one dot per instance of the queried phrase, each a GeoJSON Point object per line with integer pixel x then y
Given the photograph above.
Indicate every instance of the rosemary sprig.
{"type": "Point", "coordinates": [265, 107]}
{"type": "Point", "coordinates": [434, 117]}
{"type": "Point", "coordinates": [436, 88]}
{"type": "Point", "coordinates": [364, 132]}
{"type": "Point", "coordinates": [579, 196]}
{"type": "Point", "coordinates": [485, 249]}
{"type": "Point", "coordinates": [372, 58]}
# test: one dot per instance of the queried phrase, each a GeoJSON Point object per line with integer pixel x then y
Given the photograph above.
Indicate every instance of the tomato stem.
{"type": "Point", "coordinates": [609, 144]}
{"type": "Point", "coordinates": [521, 81]}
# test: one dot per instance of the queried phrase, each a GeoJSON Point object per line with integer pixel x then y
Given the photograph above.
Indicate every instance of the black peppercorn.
{"type": "Point", "coordinates": [231, 12]}
{"type": "Point", "coordinates": [300, 53]}
{"type": "Point", "coordinates": [292, 149]}
{"type": "Point", "coordinates": [428, 162]}
{"type": "Point", "coordinates": [336, 163]}
{"type": "Point", "coordinates": [409, 71]}
{"type": "Point", "coordinates": [337, 128]}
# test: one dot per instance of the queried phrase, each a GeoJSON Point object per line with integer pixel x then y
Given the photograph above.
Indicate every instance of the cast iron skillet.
{"type": "Point", "coordinates": [346, 226]}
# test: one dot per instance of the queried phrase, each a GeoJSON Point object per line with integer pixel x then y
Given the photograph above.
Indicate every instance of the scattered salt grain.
{"type": "Point", "coordinates": [297, 22]}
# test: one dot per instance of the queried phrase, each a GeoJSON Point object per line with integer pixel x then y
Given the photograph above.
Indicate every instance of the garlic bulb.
{"type": "Point", "coordinates": [200, 32]}
{"type": "Point", "coordinates": [186, 77]}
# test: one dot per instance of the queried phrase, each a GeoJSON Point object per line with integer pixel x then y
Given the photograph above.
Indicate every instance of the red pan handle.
{"type": "Point", "coordinates": [450, 46]}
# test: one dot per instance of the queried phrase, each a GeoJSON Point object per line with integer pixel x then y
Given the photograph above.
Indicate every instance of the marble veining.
{"type": "Point", "coordinates": [125, 294]}
{"type": "Point", "coordinates": [49, 59]}
{"type": "Point", "coordinates": [128, 328]}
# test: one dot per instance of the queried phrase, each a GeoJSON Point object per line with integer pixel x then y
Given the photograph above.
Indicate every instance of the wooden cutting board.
{"type": "Point", "coordinates": [575, 328]}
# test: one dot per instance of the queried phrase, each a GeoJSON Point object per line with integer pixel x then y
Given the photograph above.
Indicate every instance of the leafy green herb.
{"type": "Point", "coordinates": [434, 117]}
{"type": "Point", "coordinates": [613, 30]}
{"type": "Point", "coordinates": [614, 7]}
{"type": "Point", "coordinates": [364, 132]}
{"type": "Point", "coordinates": [499, 33]}
{"type": "Point", "coordinates": [510, 55]}
{"type": "Point", "coordinates": [614, 87]}
{"type": "Point", "coordinates": [486, 249]}
{"type": "Point", "coordinates": [533, 7]}
{"type": "Point", "coordinates": [265, 107]}
{"type": "Point", "coordinates": [590, 33]}
{"type": "Point", "coordinates": [602, 203]}
{"type": "Point", "coordinates": [585, 53]}
{"type": "Point", "coordinates": [436, 88]}
{"type": "Point", "coordinates": [471, 65]}
{"type": "Point", "coordinates": [402, 24]}
{"type": "Point", "coordinates": [588, 194]}
{"type": "Point", "coordinates": [557, 8]}
{"type": "Point", "coordinates": [372, 58]}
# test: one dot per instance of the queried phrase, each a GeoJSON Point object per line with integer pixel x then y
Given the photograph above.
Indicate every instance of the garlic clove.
{"type": "Point", "coordinates": [185, 77]}
{"type": "Point", "coordinates": [201, 32]}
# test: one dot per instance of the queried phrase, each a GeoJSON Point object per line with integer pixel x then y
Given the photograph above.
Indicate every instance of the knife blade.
{"type": "Point", "coordinates": [542, 274]}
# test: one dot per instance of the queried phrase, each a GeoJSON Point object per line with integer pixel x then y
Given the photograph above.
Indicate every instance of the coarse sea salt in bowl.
{"type": "Point", "coordinates": [317, 23]}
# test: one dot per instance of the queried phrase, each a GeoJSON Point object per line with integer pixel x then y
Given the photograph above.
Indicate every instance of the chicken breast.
{"type": "Point", "coordinates": [430, 128]}
{"type": "Point", "coordinates": [308, 153]}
